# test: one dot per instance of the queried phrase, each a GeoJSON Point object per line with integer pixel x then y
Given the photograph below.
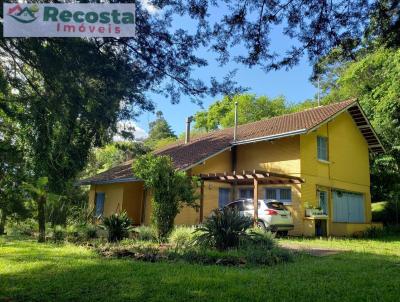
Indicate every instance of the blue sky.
{"type": "Point", "coordinates": [294, 84]}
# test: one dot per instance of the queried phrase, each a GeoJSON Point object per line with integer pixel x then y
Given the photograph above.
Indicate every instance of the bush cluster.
{"type": "Point", "coordinates": [27, 227]}
{"type": "Point", "coordinates": [145, 233]}
{"type": "Point", "coordinates": [118, 226]}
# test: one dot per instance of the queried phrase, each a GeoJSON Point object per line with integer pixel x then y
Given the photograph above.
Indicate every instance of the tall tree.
{"type": "Point", "coordinates": [12, 166]}
{"type": "Point", "coordinates": [374, 79]}
{"type": "Point", "coordinates": [250, 109]}
{"type": "Point", "coordinates": [159, 131]}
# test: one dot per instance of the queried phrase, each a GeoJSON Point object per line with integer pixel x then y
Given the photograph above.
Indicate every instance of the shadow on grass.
{"type": "Point", "coordinates": [344, 277]}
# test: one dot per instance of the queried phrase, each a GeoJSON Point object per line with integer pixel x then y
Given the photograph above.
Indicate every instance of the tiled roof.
{"type": "Point", "coordinates": [120, 173]}
{"type": "Point", "coordinates": [204, 146]}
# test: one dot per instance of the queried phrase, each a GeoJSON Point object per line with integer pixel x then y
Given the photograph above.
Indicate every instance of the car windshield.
{"type": "Point", "coordinates": [276, 206]}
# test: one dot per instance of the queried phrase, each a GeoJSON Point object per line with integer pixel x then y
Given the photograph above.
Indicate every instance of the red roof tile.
{"type": "Point", "coordinates": [204, 146]}
{"type": "Point", "coordinates": [207, 145]}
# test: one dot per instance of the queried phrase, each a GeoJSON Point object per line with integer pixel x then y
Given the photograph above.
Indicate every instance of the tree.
{"type": "Point", "coordinates": [39, 192]}
{"type": "Point", "coordinates": [111, 155]}
{"type": "Point", "coordinates": [250, 109]}
{"type": "Point", "coordinates": [374, 79]}
{"type": "Point", "coordinates": [313, 27]}
{"type": "Point", "coordinates": [159, 131]}
{"type": "Point", "coordinates": [12, 167]}
{"type": "Point", "coordinates": [171, 190]}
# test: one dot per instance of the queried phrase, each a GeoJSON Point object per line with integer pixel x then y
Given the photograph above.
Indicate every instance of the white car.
{"type": "Point", "coordinates": [272, 214]}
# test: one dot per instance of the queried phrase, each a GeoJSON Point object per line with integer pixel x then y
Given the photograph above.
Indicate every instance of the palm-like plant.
{"type": "Point", "coordinates": [224, 229]}
{"type": "Point", "coordinates": [118, 226]}
{"type": "Point", "coordinates": [39, 192]}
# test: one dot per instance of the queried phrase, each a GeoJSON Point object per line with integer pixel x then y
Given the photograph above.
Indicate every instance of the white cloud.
{"type": "Point", "coordinates": [152, 9]}
{"type": "Point", "coordinates": [129, 126]}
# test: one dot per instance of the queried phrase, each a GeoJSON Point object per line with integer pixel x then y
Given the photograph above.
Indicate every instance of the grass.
{"type": "Point", "coordinates": [378, 206]}
{"type": "Point", "coordinates": [369, 271]}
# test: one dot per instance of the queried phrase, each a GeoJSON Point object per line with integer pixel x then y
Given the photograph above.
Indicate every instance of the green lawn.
{"type": "Point", "coordinates": [33, 272]}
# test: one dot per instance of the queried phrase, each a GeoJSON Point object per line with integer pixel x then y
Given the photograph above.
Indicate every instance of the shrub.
{"type": "Point", "coordinates": [73, 233]}
{"type": "Point", "coordinates": [146, 233]}
{"type": "Point", "coordinates": [118, 226]}
{"type": "Point", "coordinates": [27, 227]}
{"type": "Point", "coordinates": [58, 233]}
{"type": "Point", "coordinates": [172, 189]}
{"type": "Point", "coordinates": [90, 231]}
{"type": "Point", "coordinates": [259, 256]}
{"type": "Point", "coordinates": [224, 229]}
{"type": "Point", "coordinates": [182, 237]}
{"type": "Point", "coordinates": [209, 257]}
{"type": "Point", "coordinates": [261, 238]}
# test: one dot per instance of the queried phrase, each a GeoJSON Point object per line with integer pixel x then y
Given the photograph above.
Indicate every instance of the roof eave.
{"type": "Point", "coordinates": [270, 137]}
{"type": "Point", "coordinates": [109, 181]}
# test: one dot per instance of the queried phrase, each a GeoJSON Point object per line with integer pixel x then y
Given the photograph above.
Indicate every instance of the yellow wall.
{"type": "Point", "coordinates": [281, 156]}
{"type": "Point", "coordinates": [347, 168]}
{"type": "Point", "coordinates": [118, 197]}
{"type": "Point", "coordinates": [133, 200]}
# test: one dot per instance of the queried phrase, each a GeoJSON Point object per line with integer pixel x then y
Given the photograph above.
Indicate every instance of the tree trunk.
{"type": "Point", "coordinates": [3, 217]}
{"type": "Point", "coordinates": [42, 219]}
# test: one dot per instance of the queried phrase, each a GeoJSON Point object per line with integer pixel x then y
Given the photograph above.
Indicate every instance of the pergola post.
{"type": "Point", "coordinates": [255, 194]}
{"type": "Point", "coordinates": [201, 200]}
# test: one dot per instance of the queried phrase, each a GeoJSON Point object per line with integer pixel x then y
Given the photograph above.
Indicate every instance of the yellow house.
{"type": "Point", "coordinates": [315, 161]}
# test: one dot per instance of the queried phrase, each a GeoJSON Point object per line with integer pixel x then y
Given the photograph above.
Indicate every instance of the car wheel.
{"type": "Point", "coordinates": [261, 225]}
{"type": "Point", "coordinates": [283, 233]}
{"type": "Point", "coordinates": [272, 229]}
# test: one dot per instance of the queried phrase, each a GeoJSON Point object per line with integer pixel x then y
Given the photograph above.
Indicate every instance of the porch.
{"type": "Point", "coordinates": [253, 178]}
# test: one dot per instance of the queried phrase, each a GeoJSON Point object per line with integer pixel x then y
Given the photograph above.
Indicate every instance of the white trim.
{"type": "Point", "coordinates": [270, 137]}
{"type": "Point", "coordinates": [355, 103]}
{"type": "Point", "coordinates": [372, 128]}
{"type": "Point", "coordinates": [324, 161]}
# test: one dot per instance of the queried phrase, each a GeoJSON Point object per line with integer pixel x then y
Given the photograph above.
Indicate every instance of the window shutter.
{"type": "Point", "coordinates": [100, 198]}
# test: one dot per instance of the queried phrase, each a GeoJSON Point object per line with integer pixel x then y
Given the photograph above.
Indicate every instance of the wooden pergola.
{"type": "Point", "coordinates": [254, 177]}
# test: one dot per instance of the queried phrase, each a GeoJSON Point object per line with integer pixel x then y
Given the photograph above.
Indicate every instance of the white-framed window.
{"type": "Point", "coordinates": [322, 148]}
{"type": "Point", "coordinates": [281, 194]}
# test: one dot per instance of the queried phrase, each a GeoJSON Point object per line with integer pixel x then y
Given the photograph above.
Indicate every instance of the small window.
{"type": "Point", "coordinates": [322, 148]}
{"type": "Point", "coordinates": [280, 194]}
{"type": "Point", "coordinates": [246, 193]}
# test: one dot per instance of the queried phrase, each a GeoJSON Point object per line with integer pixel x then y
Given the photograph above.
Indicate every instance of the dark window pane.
{"type": "Point", "coordinates": [285, 194]}
{"type": "Point", "coordinates": [270, 193]}
{"type": "Point", "coordinates": [246, 193]}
